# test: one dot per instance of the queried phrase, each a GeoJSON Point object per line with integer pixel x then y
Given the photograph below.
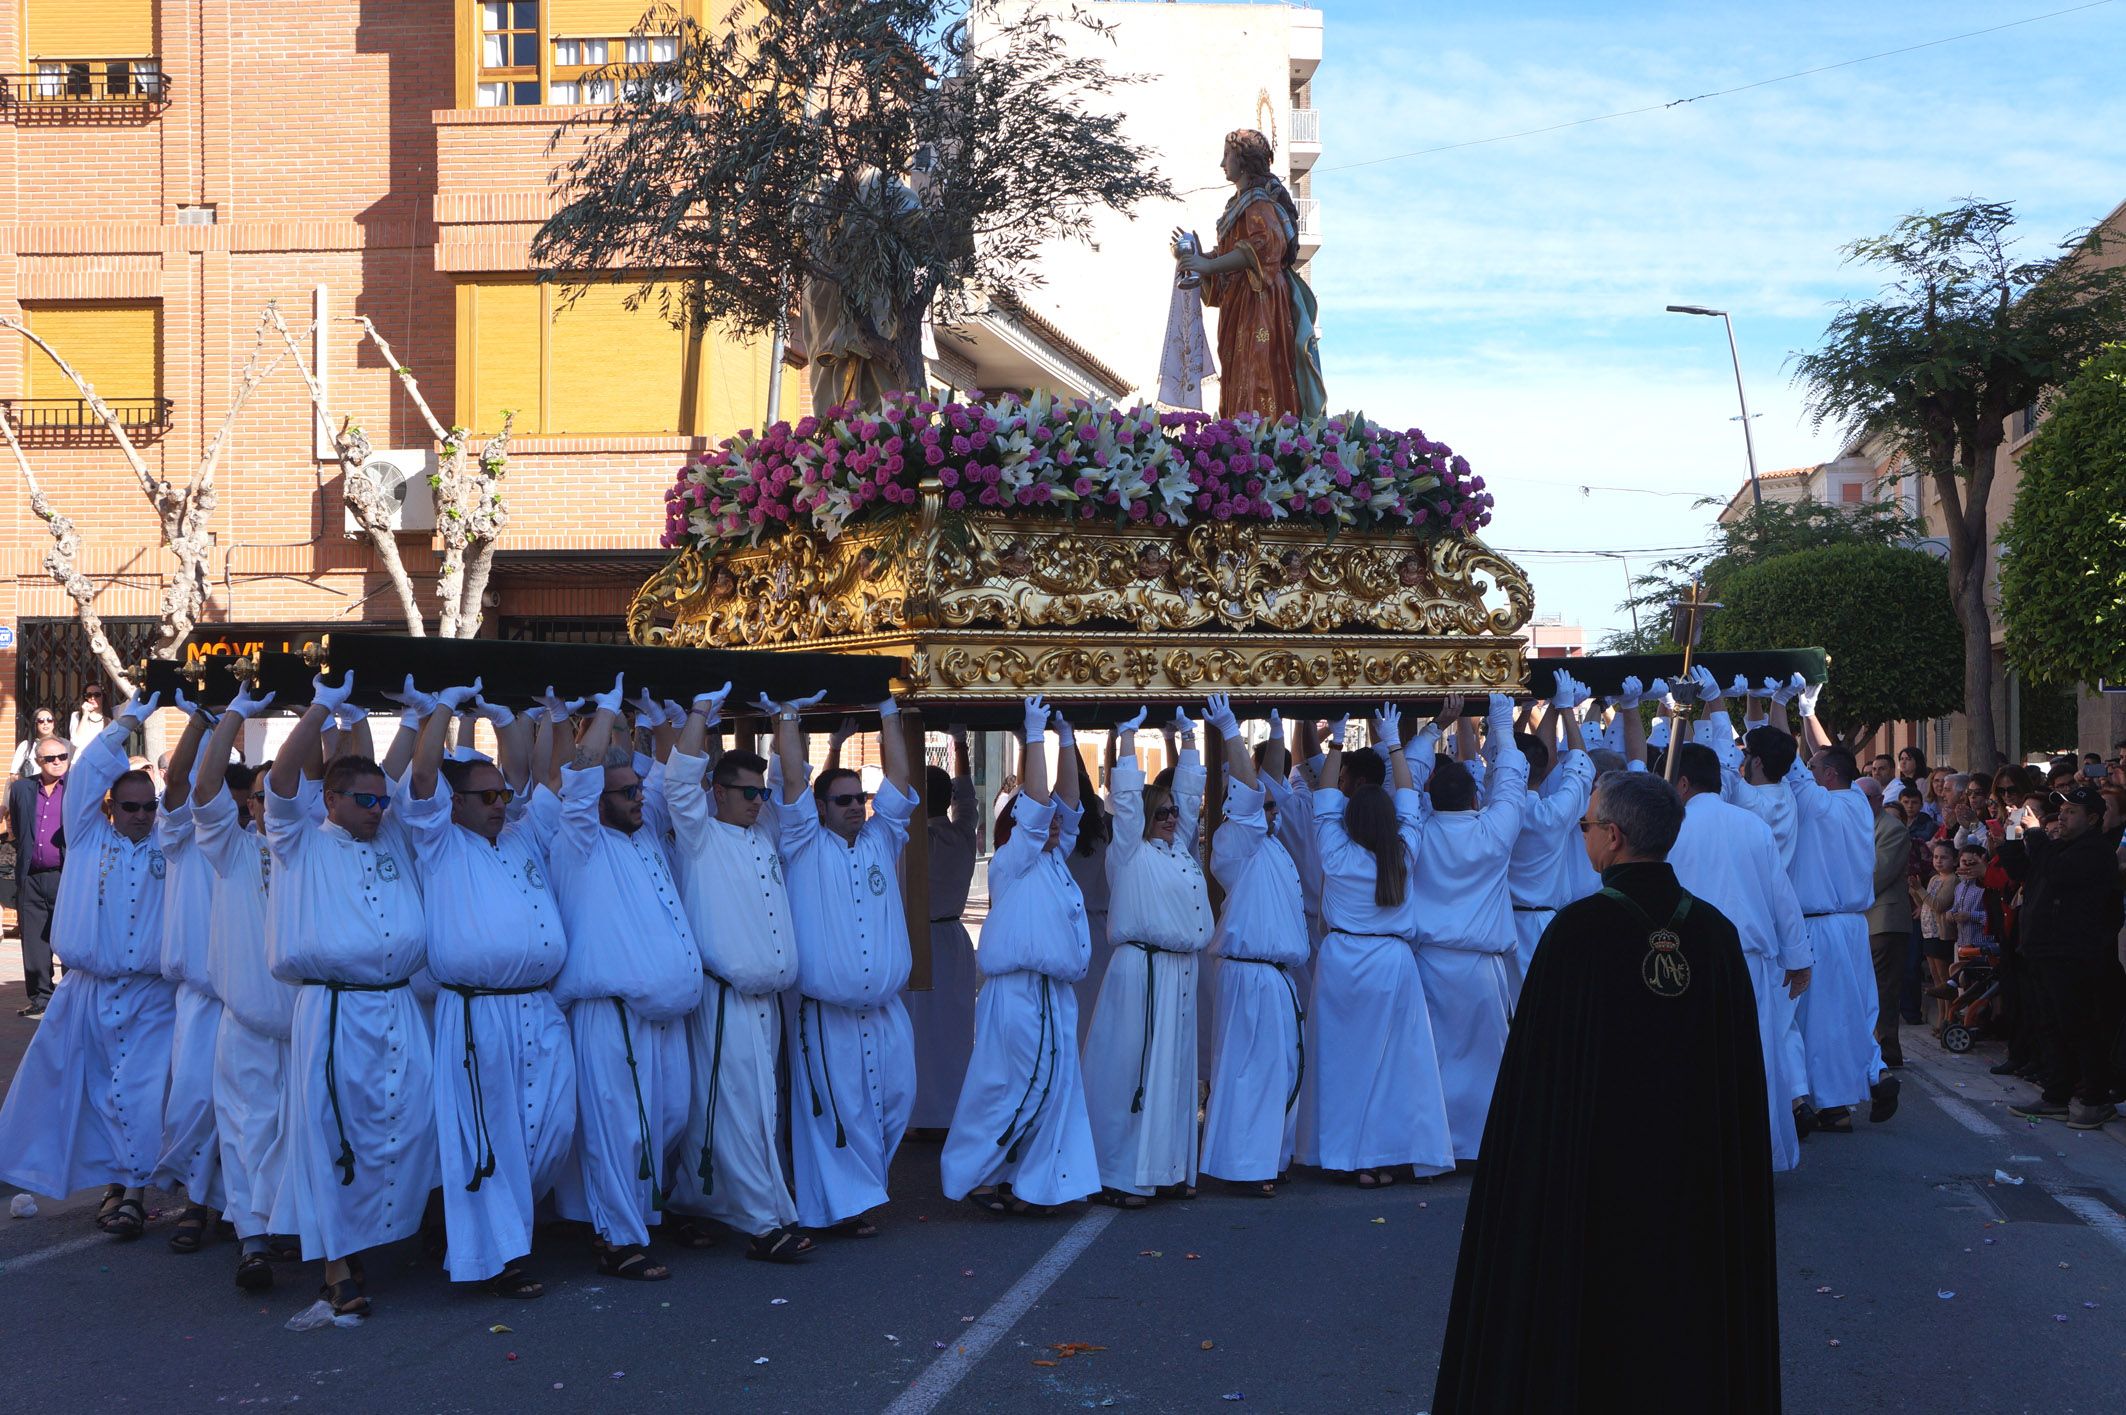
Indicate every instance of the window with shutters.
{"type": "Point", "coordinates": [563, 51]}
{"type": "Point", "coordinates": [116, 347]}
{"type": "Point", "coordinates": [87, 52]}
{"type": "Point", "coordinates": [595, 368]}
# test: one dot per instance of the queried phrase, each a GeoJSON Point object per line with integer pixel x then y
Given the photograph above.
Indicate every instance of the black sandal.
{"type": "Point", "coordinates": [780, 1245]}
{"type": "Point", "coordinates": [513, 1281]}
{"type": "Point", "coordinates": [690, 1233]}
{"type": "Point", "coordinates": [1250, 1189]}
{"type": "Point", "coordinates": [858, 1227]}
{"type": "Point", "coordinates": [112, 1193]}
{"type": "Point", "coordinates": [1120, 1199]}
{"type": "Point", "coordinates": [254, 1273]}
{"type": "Point", "coordinates": [1182, 1192]}
{"type": "Point", "coordinates": [128, 1221]}
{"type": "Point", "coordinates": [191, 1229]}
{"type": "Point", "coordinates": [989, 1201]}
{"type": "Point", "coordinates": [632, 1263]}
{"type": "Point", "coordinates": [346, 1297]}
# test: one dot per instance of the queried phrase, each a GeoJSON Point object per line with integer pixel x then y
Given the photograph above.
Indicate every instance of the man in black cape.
{"type": "Point", "coordinates": [1618, 1251]}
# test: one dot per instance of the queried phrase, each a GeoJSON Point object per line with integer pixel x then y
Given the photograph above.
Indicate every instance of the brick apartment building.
{"type": "Point", "coordinates": [167, 167]}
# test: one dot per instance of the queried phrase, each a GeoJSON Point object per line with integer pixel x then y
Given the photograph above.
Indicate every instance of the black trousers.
{"type": "Point", "coordinates": [2082, 999]}
{"type": "Point", "coordinates": [1888, 952]}
{"type": "Point", "coordinates": [34, 896]}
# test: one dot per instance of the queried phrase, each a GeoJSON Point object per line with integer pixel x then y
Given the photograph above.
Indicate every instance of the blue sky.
{"type": "Point", "coordinates": [1508, 298]}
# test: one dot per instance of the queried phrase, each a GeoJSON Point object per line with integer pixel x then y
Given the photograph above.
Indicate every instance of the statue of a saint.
{"type": "Point", "coordinates": [1268, 354]}
{"type": "Point", "coordinates": [858, 332]}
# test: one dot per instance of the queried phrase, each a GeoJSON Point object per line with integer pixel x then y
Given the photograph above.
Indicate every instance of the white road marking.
{"type": "Point", "coordinates": [45, 1255]}
{"type": "Point", "coordinates": [1967, 1115]}
{"type": "Point", "coordinates": [2094, 1213]}
{"type": "Point", "coordinates": [931, 1388]}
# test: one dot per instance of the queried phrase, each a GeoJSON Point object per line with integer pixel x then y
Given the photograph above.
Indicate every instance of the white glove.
{"type": "Point", "coordinates": [710, 705]}
{"type": "Point", "coordinates": [1660, 692]}
{"type": "Point", "coordinates": [533, 715]}
{"type": "Point", "coordinates": [648, 711]}
{"type": "Point", "coordinates": [796, 704]}
{"type": "Point", "coordinates": [609, 701]}
{"type": "Point", "coordinates": [1183, 728]}
{"type": "Point", "coordinates": [1066, 735]}
{"type": "Point", "coordinates": [1277, 727]}
{"type": "Point", "coordinates": [1218, 712]}
{"type": "Point", "coordinates": [139, 708]}
{"type": "Point", "coordinates": [331, 699]}
{"type": "Point", "coordinates": [1337, 731]}
{"type": "Point", "coordinates": [348, 716]}
{"type": "Point", "coordinates": [247, 707]}
{"type": "Point", "coordinates": [1770, 690]}
{"type": "Point", "coordinates": [1134, 723]}
{"type": "Point", "coordinates": [455, 699]}
{"type": "Point", "coordinates": [1501, 710]}
{"type": "Point", "coordinates": [499, 715]}
{"type": "Point", "coordinates": [1036, 720]}
{"type": "Point", "coordinates": [1561, 690]}
{"type": "Point", "coordinates": [189, 708]}
{"type": "Point", "coordinates": [1805, 700]}
{"type": "Point", "coordinates": [1629, 694]}
{"type": "Point", "coordinates": [1388, 728]}
{"type": "Point", "coordinates": [886, 709]}
{"type": "Point", "coordinates": [413, 699]}
{"type": "Point", "coordinates": [1740, 688]}
{"type": "Point", "coordinates": [1708, 686]}
{"type": "Point", "coordinates": [1790, 689]}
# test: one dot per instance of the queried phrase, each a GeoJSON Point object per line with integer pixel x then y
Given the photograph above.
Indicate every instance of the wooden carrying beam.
{"type": "Point", "coordinates": [1605, 675]}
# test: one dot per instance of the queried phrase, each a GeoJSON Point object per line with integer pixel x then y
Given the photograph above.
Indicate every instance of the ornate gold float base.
{"type": "Point", "coordinates": [987, 608]}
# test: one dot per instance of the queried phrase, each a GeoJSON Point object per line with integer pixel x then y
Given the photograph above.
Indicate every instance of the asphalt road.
{"type": "Point", "coordinates": [1911, 1279]}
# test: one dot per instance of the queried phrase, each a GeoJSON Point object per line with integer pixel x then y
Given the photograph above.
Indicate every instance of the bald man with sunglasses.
{"type": "Point", "coordinates": [86, 1104]}
{"type": "Point", "coordinates": [505, 1078]}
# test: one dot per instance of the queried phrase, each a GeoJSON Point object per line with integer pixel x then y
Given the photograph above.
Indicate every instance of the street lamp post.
{"type": "Point", "coordinates": [1749, 443]}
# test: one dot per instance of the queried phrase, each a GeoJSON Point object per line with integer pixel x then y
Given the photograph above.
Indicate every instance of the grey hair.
{"type": "Point", "coordinates": [1605, 761]}
{"type": "Point", "coordinates": [1645, 809]}
{"type": "Point", "coordinates": [617, 755]}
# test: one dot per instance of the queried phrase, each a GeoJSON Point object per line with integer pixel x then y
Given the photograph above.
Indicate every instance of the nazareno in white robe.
{"type": "Point", "coordinates": [85, 1107]}
{"type": "Point", "coordinates": [731, 878]}
{"type": "Point", "coordinates": [1465, 934]}
{"type": "Point", "coordinates": [1834, 863]}
{"type": "Point", "coordinates": [359, 1120]}
{"type": "Point", "coordinates": [854, 1084]}
{"type": "Point", "coordinates": [630, 981]}
{"type": "Point", "coordinates": [1021, 1119]}
{"type": "Point", "coordinates": [191, 1153]}
{"type": "Point", "coordinates": [1140, 1053]}
{"type": "Point", "coordinates": [505, 1078]}
{"type": "Point", "coordinates": [1372, 1097]}
{"type": "Point", "coordinates": [258, 1009]}
{"type": "Point", "coordinates": [942, 1015]}
{"type": "Point", "coordinates": [1259, 1060]}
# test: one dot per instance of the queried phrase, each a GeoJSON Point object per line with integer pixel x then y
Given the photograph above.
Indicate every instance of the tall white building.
{"type": "Point", "coordinates": [1200, 70]}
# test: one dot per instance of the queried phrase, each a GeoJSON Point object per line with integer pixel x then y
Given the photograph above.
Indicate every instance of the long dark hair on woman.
{"type": "Point", "coordinates": [1369, 819]}
{"type": "Point", "coordinates": [1097, 827]}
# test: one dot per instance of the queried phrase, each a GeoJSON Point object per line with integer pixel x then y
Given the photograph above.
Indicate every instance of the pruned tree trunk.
{"type": "Point", "coordinates": [182, 513]}
{"type": "Point", "coordinates": [1964, 522]}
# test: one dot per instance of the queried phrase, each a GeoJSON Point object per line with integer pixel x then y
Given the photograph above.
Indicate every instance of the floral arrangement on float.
{"type": "Point", "coordinates": [1088, 462]}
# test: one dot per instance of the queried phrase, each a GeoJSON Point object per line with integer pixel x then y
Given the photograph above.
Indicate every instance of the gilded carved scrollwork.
{"type": "Point", "coordinates": [1117, 611]}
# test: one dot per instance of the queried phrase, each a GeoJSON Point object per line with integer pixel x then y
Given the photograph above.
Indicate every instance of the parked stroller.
{"type": "Point", "coordinates": [1978, 1009]}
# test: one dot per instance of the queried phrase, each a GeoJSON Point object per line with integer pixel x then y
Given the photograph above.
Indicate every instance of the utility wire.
{"type": "Point", "coordinates": [1717, 93]}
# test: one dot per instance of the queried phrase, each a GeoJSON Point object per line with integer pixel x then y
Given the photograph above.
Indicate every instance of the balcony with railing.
{"type": "Point", "coordinates": [1305, 145]}
{"type": "Point", "coordinates": [1309, 225]}
{"type": "Point", "coordinates": [57, 421]}
{"type": "Point", "coordinates": [86, 90]}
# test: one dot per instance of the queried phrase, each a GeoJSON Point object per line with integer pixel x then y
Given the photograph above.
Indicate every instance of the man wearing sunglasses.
{"type": "Point", "coordinates": [631, 978]}
{"type": "Point", "coordinates": [856, 1049]}
{"type": "Point", "coordinates": [361, 1093]}
{"type": "Point", "coordinates": [505, 1097]}
{"type": "Point", "coordinates": [86, 1104]}
{"type": "Point", "coordinates": [36, 816]}
{"type": "Point", "coordinates": [730, 874]}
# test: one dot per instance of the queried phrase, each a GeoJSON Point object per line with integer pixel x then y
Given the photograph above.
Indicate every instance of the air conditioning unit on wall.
{"type": "Point", "coordinates": [403, 474]}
